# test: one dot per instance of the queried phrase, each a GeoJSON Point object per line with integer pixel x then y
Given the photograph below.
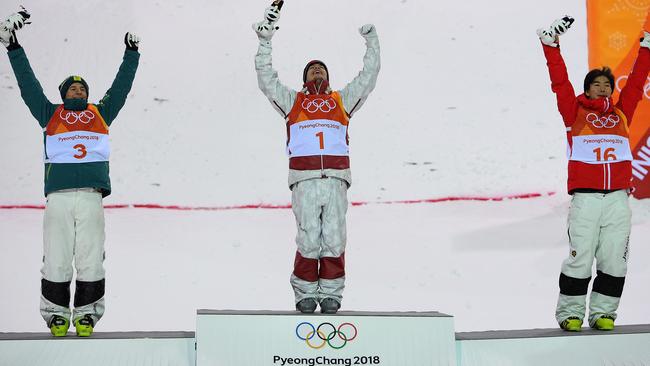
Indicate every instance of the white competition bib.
{"type": "Point", "coordinates": [600, 149]}
{"type": "Point", "coordinates": [317, 137]}
{"type": "Point", "coordinates": [77, 147]}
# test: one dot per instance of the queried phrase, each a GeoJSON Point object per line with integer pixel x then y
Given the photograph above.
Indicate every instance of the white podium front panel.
{"type": "Point", "coordinates": [101, 349]}
{"type": "Point", "coordinates": [236, 338]}
{"type": "Point", "coordinates": [627, 345]}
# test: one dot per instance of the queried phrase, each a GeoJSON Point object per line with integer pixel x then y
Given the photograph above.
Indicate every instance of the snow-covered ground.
{"type": "Point", "coordinates": [493, 265]}
{"type": "Point", "coordinates": [462, 107]}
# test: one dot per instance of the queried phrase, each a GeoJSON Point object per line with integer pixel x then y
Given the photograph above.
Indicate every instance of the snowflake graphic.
{"type": "Point", "coordinates": [641, 5]}
{"type": "Point", "coordinates": [618, 41]}
{"type": "Point", "coordinates": [637, 9]}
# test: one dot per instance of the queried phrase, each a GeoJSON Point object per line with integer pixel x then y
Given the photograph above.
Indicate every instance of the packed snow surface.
{"type": "Point", "coordinates": [462, 108]}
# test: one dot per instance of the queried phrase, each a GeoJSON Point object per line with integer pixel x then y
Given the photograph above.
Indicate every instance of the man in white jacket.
{"type": "Point", "coordinates": [317, 121]}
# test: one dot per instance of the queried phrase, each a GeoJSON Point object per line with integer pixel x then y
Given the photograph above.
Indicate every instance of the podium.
{"type": "Point", "coordinates": [101, 349]}
{"type": "Point", "coordinates": [288, 338]}
{"type": "Point", "coordinates": [281, 338]}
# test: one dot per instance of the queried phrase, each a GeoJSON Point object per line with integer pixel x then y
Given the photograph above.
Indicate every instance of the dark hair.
{"type": "Point", "coordinates": [593, 74]}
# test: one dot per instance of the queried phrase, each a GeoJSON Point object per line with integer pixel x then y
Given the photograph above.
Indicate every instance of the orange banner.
{"type": "Point", "coordinates": [615, 27]}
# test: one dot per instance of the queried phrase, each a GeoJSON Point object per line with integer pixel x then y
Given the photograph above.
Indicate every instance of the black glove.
{"type": "Point", "coordinates": [131, 41]}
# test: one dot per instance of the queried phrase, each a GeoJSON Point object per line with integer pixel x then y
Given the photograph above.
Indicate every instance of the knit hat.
{"type": "Point", "coordinates": [314, 62]}
{"type": "Point", "coordinates": [65, 85]}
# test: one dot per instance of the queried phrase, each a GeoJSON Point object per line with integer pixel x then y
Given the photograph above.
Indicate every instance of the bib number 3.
{"type": "Point", "coordinates": [81, 151]}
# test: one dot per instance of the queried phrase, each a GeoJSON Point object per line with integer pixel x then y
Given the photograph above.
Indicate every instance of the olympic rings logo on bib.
{"type": "Point", "coordinates": [318, 104]}
{"type": "Point", "coordinates": [326, 334]}
{"type": "Point", "coordinates": [71, 117]}
{"type": "Point", "coordinates": [603, 122]}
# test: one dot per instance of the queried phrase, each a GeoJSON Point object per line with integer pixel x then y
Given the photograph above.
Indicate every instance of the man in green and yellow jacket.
{"type": "Point", "coordinates": [76, 153]}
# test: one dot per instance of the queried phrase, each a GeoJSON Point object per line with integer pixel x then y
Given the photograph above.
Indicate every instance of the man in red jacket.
{"type": "Point", "coordinates": [600, 174]}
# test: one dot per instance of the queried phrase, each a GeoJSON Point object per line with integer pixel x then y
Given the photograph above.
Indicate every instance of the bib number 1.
{"type": "Point", "coordinates": [321, 140]}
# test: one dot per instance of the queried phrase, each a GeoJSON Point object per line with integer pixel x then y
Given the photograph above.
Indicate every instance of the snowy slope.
{"type": "Point", "coordinates": [492, 265]}
{"type": "Point", "coordinates": [462, 107]}
{"type": "Point", "coordinates": [462, 104]}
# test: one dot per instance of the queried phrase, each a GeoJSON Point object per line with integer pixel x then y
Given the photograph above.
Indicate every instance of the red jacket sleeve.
{"type": "Point", "coordinates": [560, 84]}
{"type": "Point", "coordinates": [633, 90]}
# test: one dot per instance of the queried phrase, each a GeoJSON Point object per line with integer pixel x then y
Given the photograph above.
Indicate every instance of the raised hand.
{"type": "Point", "coordinates": [9, 26]}
{"type": "Point", "coordinates": [264, 30]}
{"type": "Point", "coordinates": [645, 41]}
{"type": "Point", "coordinates": [547, 37]}
{"type": "Point", "coordinates": [560, 26]}
{"type": "Point", "coordinates": [17, 20]}
{"type": "Point", "coordinates": [551, 36]}
{"type": "Point", "coordinates": [272, 14]}
{"type": "Point", "coordinates": [6, 36]}
{"type": "Point", "coordinates": [368, 30]}
{"type": "Point", "coordinates": [131, 41]}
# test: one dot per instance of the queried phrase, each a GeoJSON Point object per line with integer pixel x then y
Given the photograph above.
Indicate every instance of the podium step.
{"type": "Point", "coordinates": [276, 338]}
{"type": "Point", "coordinates": [101, 349]}
{"type": "Point", "coordinates": [625, 345]}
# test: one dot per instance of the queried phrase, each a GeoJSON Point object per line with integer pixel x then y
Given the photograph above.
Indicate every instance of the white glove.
{"type": "Point", "coordinates": [560, 26]}
{"type": "Point", "coordinates": [5, 34]}
{"type": "Point", "coordinates": [645, 41]}
{"type": "Point", "coordinates": [17, 20]}
{"type": "Point", "coordinates": [368, 30]}
{"type": "Point", "coordinates": [272, 14]}
{"type": "Point", "coordinates": [547, 38]}
{"type": "Point", "coordinates": [9, 26]}
{"type": "Point", "coordinates": [131, 41]}
{"type": "Point", "coordinates": [264, 30]}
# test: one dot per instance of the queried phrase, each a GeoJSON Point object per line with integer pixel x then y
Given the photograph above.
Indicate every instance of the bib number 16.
{"type": "Point", "coordinates": [607, 156]}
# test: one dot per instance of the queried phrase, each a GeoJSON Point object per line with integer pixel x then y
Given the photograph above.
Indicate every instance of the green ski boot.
{"type": "Point", "coordinates": [604, 323]}
{"type": "Point", "coordinates": [84, 326]}
{"type": "Point", "coordinates": [59, 326]}
{"type": "Point", "coordinates": [571, 324]}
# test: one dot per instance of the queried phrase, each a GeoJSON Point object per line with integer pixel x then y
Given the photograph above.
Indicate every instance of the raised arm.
{"type": "Point", "coordinates": [560, 84]}
{"type": "Point", "coordinates": [280, 96]}
{"type": "Point", "coordinates": [30, 89]}
{"type": "Point", "coordinates": [355, 93]}
{"type": "Point", "coordinates": [115, 97]}
{"type": "Point", "coordinates": [633, 90]}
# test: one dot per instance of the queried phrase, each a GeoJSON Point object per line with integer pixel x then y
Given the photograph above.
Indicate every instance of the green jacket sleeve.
{"type": "Point", "coordinates": [30, 89]}
{"type": "Point", "coordinates": [115, 97]}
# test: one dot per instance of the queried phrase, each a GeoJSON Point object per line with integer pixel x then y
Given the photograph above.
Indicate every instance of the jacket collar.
{"type": "Point", "coordinates": [600, 105]}
{"type": "Point", "coordinates": [75, 104]}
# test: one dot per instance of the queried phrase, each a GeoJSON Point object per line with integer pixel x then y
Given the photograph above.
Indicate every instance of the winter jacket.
{"type": "Point", "coordinates": [284, 100]}
{"type": "Point", "coordinates": [59, 175]}
{"type": "Point", "coordinates": [597, 131]}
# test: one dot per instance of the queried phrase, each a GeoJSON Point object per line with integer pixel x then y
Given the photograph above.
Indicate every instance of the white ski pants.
{"type": "Point", "coordinates": [319, 206]}
{"type": "Point", "coordinates": [598, 227]}
{"type": "Point", "coordinates": [73, 230]}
